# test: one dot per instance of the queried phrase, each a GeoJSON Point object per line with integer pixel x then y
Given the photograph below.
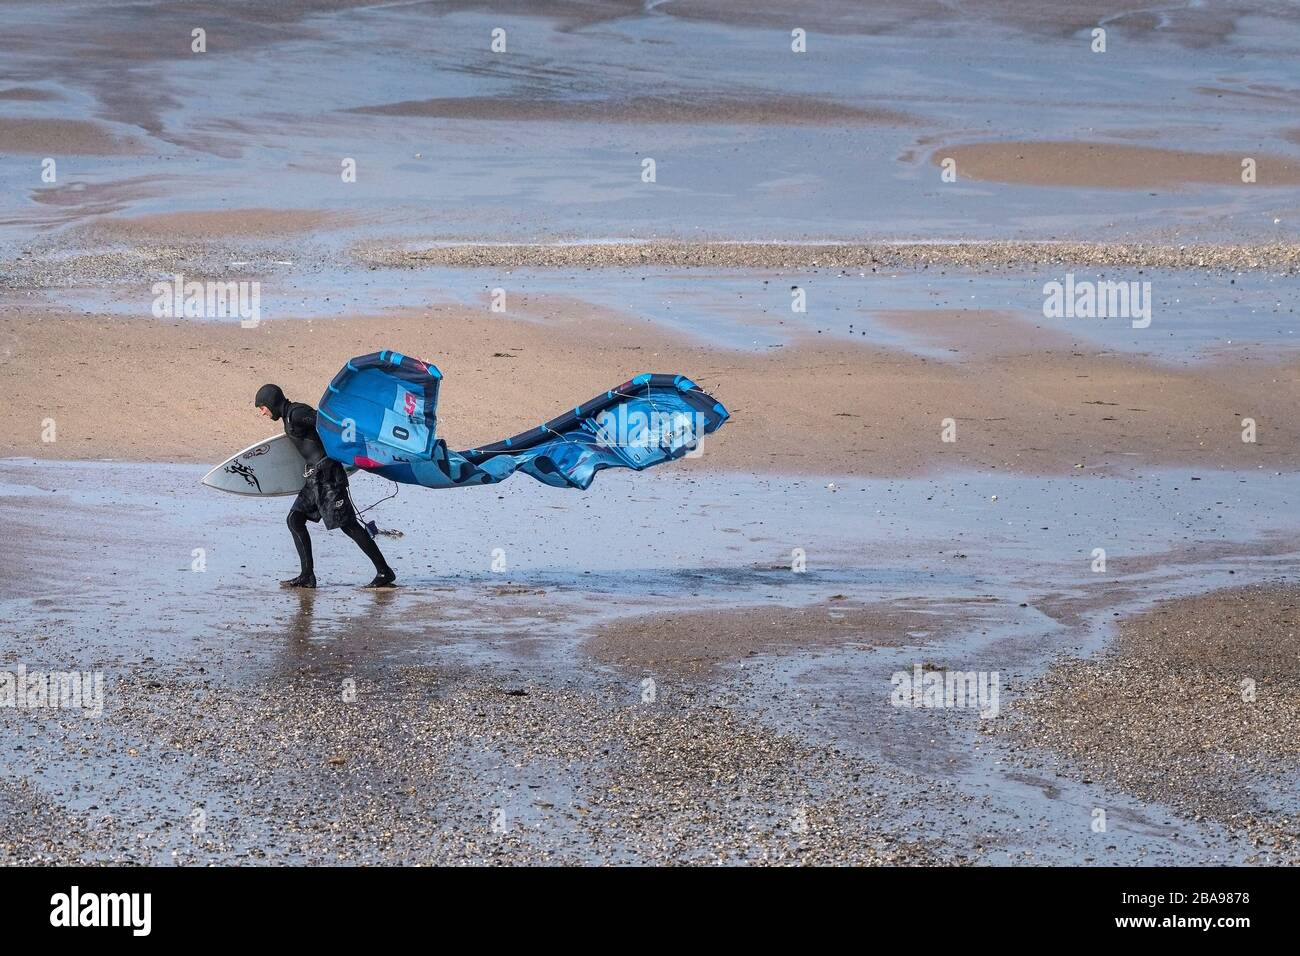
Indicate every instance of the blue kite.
{"type": "Point", "coordinates": [379, 414]}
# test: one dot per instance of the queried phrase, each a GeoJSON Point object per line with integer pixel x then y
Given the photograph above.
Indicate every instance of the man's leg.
{"type": "Point", "coordinates": [384, 575]}
{"type": "Point", "coordinates": [297, 522]}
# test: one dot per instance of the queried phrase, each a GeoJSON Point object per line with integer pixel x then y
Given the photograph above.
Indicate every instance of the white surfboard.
{"type": "Point", "coordinates": [271, 467]}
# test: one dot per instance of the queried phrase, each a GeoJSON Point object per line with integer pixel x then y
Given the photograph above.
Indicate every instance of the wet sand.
{"type": "Point", "coordinates": [212, 224]}
{"type": "Point", "coordinates": [1111, 165]}
{"type": "Point", "coordinates": [62, 137]}
{"type": "Point", "coordinates": [809, 408]}
{"type": "Point", "coordinates": [473, 692]}
{"type": "Point", "coordinates": [1195, 706]}
{"type": "Point", "coordinates": [722, 111]}
{"type": "Point", "coordinates": [693, 643]}
{"type": "Point", "coordinates": [27, 94]}
{"type": "Point", "coordinates": [1192, 26]}
{"type": "Point", "coordinates": [753, 140]}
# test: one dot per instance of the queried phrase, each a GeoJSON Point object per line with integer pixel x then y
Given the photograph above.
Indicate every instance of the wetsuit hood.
{"type": "Point", "coordinates": [272, 398]}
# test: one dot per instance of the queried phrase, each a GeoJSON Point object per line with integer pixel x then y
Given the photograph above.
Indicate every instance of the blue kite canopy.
{"type": "Point", "coordinates": [379, 414]}
{"type": "Point", "coordinates": [386, 397]}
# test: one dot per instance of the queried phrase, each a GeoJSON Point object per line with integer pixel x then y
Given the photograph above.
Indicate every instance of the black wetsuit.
{"type": "Point", "coordinates": [325, 495]}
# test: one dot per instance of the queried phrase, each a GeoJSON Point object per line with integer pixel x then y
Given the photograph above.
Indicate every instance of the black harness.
{"type": "Point", "coordinates": [300, 426]}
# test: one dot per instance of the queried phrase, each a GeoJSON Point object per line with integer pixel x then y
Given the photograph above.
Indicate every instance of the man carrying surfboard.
{"type": "Point", "coordinates": [325, 496]}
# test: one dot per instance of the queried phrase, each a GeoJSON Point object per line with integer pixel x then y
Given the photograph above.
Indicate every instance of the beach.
{"type": "Point", "coordinates": [999, 541]}
{"type": "Point", "coordinates": [1022, 399]}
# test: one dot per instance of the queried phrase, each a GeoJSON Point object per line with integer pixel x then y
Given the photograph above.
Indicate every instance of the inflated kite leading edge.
{"type": "Point", "coordinates": [380, 414]}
